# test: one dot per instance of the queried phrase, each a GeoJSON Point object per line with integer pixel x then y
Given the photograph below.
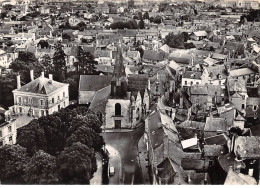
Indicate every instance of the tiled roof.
{"type": "Point", "coordinates": [41, 85]}
{"type": "Point", "coordinates": [228, 160]}
{"type": "Point", "coordinates": [192, 74]}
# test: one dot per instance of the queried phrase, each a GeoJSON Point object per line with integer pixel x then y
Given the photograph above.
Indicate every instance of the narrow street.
{"type": "Point", "coordinates": [123, 150]}
{"type": "Point", "coordinates": [97, 177]}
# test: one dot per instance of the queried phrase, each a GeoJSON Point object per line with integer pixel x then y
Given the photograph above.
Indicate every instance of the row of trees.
{"type": "Point", "coordinates": [54, 149]}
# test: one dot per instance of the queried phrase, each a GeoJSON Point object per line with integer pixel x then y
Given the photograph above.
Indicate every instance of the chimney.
{"type": "Point", "coordinates": [42, 74]}
{"type": "Point", "coordinates": [31, 75]}
{"type": "Point", "coordinates": [18, 82]}
{"type": "Point", "coordinates": [50, 78]}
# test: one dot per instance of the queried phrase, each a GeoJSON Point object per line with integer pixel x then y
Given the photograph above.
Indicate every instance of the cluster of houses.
{"type": "Point", "coordinates": [200, 105]}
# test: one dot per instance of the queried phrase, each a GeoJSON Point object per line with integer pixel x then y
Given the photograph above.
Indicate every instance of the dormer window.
{"type": "Point", "coordinates": [192, 75]}
{"type": "Point", "coordinates": [219, 76]}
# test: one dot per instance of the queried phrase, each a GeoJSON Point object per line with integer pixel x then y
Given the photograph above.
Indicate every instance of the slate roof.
{"type": "Point", "coordinates": [247, 146]}
{"type": "Point", "coordinates": [215, 150]}
{"type": "Point", "coordinates": [252, 101]}
{"type": "Point", "coordinates": [189, 74]}
{"type": "Point", "coordinates": [234, 178]}
{"type": "Point", "coordinates": [100, 96]}
{"type": "Point", "coordinates": [241, 72]}
{"type": "Point", "coordinates": [216, 140]}
{"type": "Point", "coordinates": [154, 55]}
{"type": "Point", "coordinates": [93, 82]}
{"type": "Point", "coordinates": [229, 160]}
{"type": "Point", "coordinates": [215, 124]}
{"type": "Point", "coordinates": [41, 85]}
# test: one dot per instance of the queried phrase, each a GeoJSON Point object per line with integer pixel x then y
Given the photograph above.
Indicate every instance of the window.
{"type": "Point", "coordinates": [1, 143]}
{"type": "Point", "coordinates": [10, 138]}
{"type": "Point", "coordinates": [30, 101]}
{"type": "Point", "coordinates": [58, 98]}
{"type": "Point", "coordinates": [10, 129]}
{"type": "Point", "coordinates": [243, 106]}
{"type": "Point", "coordinates": [63, 94]}
{"type": "Point", "coordinates": [219, 82]}
{"type": "Point", "coordinates": [191, 83]}
{"type": "Point", "coordinates": [117, 109]}
{"type": "Point", "coordinates": [1, 133]}
{"type": "Point", "coordinates": [255, 107]}
{"type": "Point", "coordinates": [157, 88]}
{"type": "Point", "coordinates": [185, 82]}
{"type": "Point", "coordinates": [42, 102]}
{"type": "Point", "coordinates": [197, 83]}
{"type": "Point", "coordinates": [19, 100]}
{"type": "Point", "coordinates": [52, 100]}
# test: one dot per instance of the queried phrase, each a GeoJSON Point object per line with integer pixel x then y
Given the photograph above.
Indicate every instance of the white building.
{"type": "Point", "coordinates": [3, 59]}
{"type": "Point", "coordinates": [42, 96]}
{"type": "Point", "coordinates": [8, 132]}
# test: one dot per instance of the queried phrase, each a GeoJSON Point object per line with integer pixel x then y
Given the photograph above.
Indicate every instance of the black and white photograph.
{"type": "Point", "coordinates": [129, 92]}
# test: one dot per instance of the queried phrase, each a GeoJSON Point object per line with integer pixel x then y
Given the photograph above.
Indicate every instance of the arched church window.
{"type": "Point", "coordinates": [117, 109]}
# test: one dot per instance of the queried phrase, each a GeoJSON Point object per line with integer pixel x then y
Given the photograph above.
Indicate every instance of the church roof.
{"type": "Point", "coordinates": [93, 82]}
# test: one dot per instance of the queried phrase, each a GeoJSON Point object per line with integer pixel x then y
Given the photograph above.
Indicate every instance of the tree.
{"type": "Point", "coordinates": [141, 24]}
{"type": "Point", "coordinates": [146, 15]}
{"type": "Point", "coordinates": [7, 85]}
{"type": "Point", "coordinates": [158, 19]}
{"type": "Point", "coordinates": [87, 136]}
{"type": "Point", "coordinates": [41, 169]}
{"type": "Point", "coordinates": [131, 3]}
{"type": "Point", "coordinates": [13, 160]}
{"type": "Point", "coordinates": [176, 41]}
{"type": "Point", "coordinates": [73, 89]}
{"type": "Point", "coordinates": [25, 62]}
{"type": "Point", "coordinates": [86, 63]}
{"type": "Point", "coordinates": [47, 64]}
{"type": "Point", "coordinates": [32, 137]}
{"type": "Point", "coordinates": [76, 164]}
{"type": "Point", "coordinates": [59, 62]}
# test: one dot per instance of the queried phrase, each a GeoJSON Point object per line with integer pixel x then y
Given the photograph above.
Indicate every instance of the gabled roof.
{"type": "Point", "coordinates": [41, 85]}
{"type": "Point", "coordinates": [200, 33]}
{"type": "Point", "coordinates": [93, 82]}
{"type": "Point", "coordinates": [154, 55]}
{"type": "Point", "coordinates": [215, 150]}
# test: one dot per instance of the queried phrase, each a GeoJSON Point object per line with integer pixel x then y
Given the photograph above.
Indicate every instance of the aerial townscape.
{"type": "Point", "coordinates": [130, 92]}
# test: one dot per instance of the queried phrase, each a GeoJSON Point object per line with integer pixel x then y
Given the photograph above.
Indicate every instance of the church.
{"type": "Point", "coordinates": [120, 101]}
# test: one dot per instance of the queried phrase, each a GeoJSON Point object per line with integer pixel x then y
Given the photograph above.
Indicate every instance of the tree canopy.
{"type": "Point", "coordinates": [177, 41]}
{"type": "Point", "coordinates": [58, 148]}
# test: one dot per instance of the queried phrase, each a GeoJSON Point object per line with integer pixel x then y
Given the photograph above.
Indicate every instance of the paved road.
{"type": "Point", "coordinates": [125, 143]}
{"type": "Point", "coordinates": [97, 177]}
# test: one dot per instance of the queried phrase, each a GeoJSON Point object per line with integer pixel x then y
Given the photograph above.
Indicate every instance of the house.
{"type": "Point", "coordinates": [7, 130]}
{"type": "Point", "coordinates": [190, 78]}
{"type": "Point", "coordinates": [252, 107]}
{"type": "Point", "coordinates": [199, 35]}
{"type": "Point", "coordinates": [41, 96]}
{"type": "Point", "coordinates": [160, 132]}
